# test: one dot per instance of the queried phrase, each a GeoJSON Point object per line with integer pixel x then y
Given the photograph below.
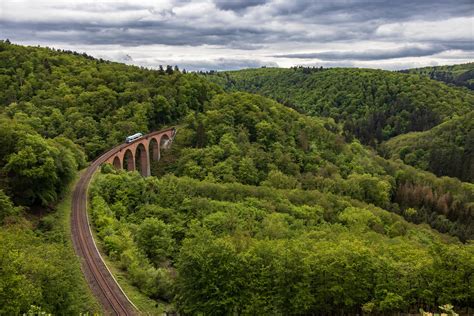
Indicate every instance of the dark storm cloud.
{"type": "Point", "coordinates": [148, 33]}
{"type": "Point", "coordinates": [364, 11]}
{"type": "Point", "coordinates": [237, 5]}
{"type": "Point", "coordinates": [370, 54]}
{"type": "Point", "coordinates": [136, 33]}
{"type": "Point", "coordinates": [461, 45]}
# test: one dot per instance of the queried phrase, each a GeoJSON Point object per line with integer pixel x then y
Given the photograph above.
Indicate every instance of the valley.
{"type": "Point", "coordinates": [285, 191]}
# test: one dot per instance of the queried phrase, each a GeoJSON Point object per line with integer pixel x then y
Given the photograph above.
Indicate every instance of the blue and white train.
{"type": "Point", "coordinates": [133, 137]}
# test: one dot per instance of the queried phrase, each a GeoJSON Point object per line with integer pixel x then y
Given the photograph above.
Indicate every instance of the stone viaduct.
{"type": "Point", "coordinates": [138, 154]}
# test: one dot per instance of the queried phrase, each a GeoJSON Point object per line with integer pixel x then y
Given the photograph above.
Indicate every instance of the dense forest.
{"type": "Point", "coordinates": [222, 248]}
{"type": "Point", "coordinates": [446, 150]}
{"type": "Point", "coordinates": [268, 211]}
{"type": "Point", "coordinates": [57, 111]}
{"type": "Point", "coordinates": [459, 75]}
{"type": "Point", "coordinates": [257, 208]}
{"type": "Point", "coordinates": [372, 105]}
{"type": "Point", "coordinates": [57, 106]}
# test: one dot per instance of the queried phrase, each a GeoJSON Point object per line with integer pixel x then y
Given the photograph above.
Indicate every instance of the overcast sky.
{"type": "Point", "coordinates": [234, 34]}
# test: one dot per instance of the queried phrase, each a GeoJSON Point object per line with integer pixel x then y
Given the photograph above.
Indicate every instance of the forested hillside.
{"type": "Point", "coordinates": [373, 105]}
{"type": "Point", "coordinates": [459, 75]}
{"type": "Point", "coordinates": [265, 143]}
{"type": "Point", "coordinates": [268, 211]}
{"type": "Point", "coordinates": [49, 98]}
{"type": "Point", "coordinates": [447, 149]}
{"type": "Point", "coordinates": [58, 110]}
{"type": "Point", "coordinates": [220, 248]}
{"type": "Point", "coordinates": [255, 209]}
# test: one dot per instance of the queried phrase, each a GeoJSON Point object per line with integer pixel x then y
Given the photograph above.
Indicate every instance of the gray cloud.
{"type": "Point", "coordinates": [148, 24]}
{"type": "Point", "coordinates": [370, 54]}
{"type": "Point", "coordinates": [377, 11]}
{"type": "Point", "coordinates": [237, 5]}
{"type": "Point", "coordinates": [130, 35]}
{"type": "Point", "coordinates": [332, 30]}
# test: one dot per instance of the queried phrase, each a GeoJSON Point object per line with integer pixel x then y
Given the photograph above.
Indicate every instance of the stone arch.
{"type": "Point", "coordinates": [142, 160]}
{"type": "Point", "coordinates": [117, 163]}
{"type": "Point", "coordinates": [154, 149]}
{"type": "Point", "coordinates": [128, 160]}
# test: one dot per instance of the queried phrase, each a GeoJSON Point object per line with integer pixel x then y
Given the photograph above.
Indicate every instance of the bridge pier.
{"type": "Point", "coordinates": [144, 162]}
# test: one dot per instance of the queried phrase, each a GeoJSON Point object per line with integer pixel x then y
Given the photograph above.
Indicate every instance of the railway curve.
{"type": "Point", "coordinates": [98, 276]}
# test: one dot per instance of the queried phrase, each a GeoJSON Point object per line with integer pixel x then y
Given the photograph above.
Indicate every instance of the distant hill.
{"type": "Point", "coordinates": [460, 75]}
{"type": "Point", "coordinates": [446, 150]}
{"type": "Point", "coordinates": [374, 105]}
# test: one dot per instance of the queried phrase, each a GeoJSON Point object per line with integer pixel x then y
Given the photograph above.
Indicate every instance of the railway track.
{"type": "Point", "coordinates": [98, 276]}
